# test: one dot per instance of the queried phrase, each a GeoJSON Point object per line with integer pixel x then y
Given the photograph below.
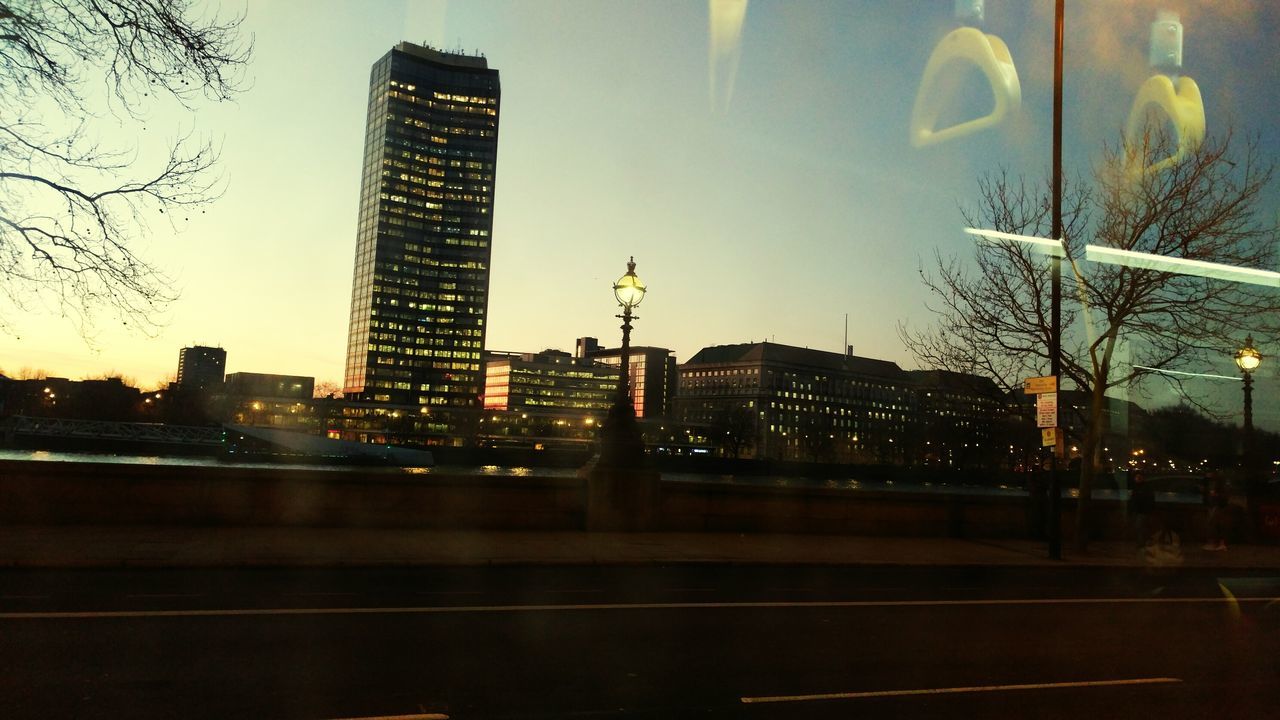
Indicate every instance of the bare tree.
{"type": "Point", "coordinates": [993, 317]}
{"type": "Point", "coordinates": [27, 373]}
{"type": "Point", "coordinates": [72, 209]}
{"type": "Point", "coordinates": [735, 429]}
{"type": "Point", "coordinates": [114, 375]}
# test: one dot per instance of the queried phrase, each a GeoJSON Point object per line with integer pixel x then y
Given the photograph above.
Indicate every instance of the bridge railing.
{"type": "Point", "coordinates": [23, 425]}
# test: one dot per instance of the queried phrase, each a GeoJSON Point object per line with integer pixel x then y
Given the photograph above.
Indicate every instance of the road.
{"type": "Point", "coordinates": [648, 642]}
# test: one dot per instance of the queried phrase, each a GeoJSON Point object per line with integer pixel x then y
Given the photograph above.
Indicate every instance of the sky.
{"type": "Point", "coordinates": [757, 168]}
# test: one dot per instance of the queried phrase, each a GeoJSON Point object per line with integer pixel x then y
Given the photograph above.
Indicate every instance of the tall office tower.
{"type": "Point", "coordinates": [421, 285]}
{"type": "Point", "coordinates": [201, 367]}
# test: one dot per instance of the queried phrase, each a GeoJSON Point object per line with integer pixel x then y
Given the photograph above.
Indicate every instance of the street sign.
{"type": "Point", "coordinates": [1037, 385]}
{"type": "Point", "coordinates": [1049, 437]}
{"type": "Point", "coordinates": [1047, 410]}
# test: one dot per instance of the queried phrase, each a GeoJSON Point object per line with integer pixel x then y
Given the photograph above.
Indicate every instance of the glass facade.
{"type": "Point", "coordinates": [421, 281]}
{"type": "Point", "coordinates": [652, 374]}
{"type": "Point", "coordinates": [549, 383]}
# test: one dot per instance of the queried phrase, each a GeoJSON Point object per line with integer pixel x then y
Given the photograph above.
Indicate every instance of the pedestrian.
{"type": "Point", "coordinates": [1142, 502]}
{"type": "Point", "coordinates": [1215, 499]}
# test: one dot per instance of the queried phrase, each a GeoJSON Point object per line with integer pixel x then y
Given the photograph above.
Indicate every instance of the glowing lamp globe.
{"type": "Point", "coordinates": [1248, 358]}
{"type": "Point", "coordinates": [629, 290]}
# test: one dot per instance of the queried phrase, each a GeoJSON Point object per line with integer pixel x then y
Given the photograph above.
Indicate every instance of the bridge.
{"type": "Point", "coordinates": [24, 426]}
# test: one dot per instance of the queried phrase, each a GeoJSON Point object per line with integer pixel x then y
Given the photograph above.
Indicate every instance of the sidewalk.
{"type": "Point", "coordinates": [126, 546]}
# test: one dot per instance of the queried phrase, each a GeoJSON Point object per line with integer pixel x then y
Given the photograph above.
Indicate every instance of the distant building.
{"type": "Point", "coordinates": [201, 367]}
{"type": "Point", "coordinates": [550, 382]}
{"type": "Point", "coordinates": [104, 399]}
{"type": "Point", "coordinates": [585, 347]}
{"type": "Point", "coordinates": [956, 417]}
{"type": "Point", "coordinates": [652, 374]}
{"type": "Point", "coordinates": [545, 400]}
{"type": "Point", "coordinates": [420, 288]}
{"type": "Point", "coordinates": [247, 384]}
{"type": "Point", "coordinates": [283, 401]}
{"type": "Point", "coordinates": [788, 403]}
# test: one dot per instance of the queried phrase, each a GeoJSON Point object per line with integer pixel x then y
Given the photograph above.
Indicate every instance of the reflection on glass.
{"type": "Point", "coordinates": [954, 56]}
{"type": "Point", "coordinates": [1164, 96]}
{"type": "Point", "coordinates": [726, 17]}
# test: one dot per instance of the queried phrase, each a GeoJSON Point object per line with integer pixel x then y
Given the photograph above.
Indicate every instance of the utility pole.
{"type": "Point", "coordinates": [1055, 340]}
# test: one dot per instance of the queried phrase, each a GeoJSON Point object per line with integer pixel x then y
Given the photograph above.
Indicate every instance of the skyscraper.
{"type": "Point", "coordinates": [201, 367]}
{"type": "Point", "coordinates": [421, 284]}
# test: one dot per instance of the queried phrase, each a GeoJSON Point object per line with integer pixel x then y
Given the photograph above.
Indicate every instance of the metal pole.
{"type": "Point", "coordinates": [624, 372]}
{"type": "Point", "coordinates": [1055, 339]}
{"type": "Point", "coordinates": [1248, 421]}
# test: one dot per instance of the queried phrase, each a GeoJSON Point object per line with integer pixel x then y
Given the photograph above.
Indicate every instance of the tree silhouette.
{"type": "Point", "coordinates": [72, 208]}
{"type": "Point", "coordinates": [993, 317]}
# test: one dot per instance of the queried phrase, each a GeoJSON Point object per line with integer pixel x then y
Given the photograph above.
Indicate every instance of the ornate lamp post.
{"type": "Point", "coordinates": [629, 292]}
{"type": "Point", "coordinates": [1248, 359]}
{"type": "Point", "coordinates": [622, 492]}
{"type": "Point", "coordinates": [622, 445]}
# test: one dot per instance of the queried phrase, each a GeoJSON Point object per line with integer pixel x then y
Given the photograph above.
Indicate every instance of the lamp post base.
{"type": "Point", "coordinates": [620, 499]}
{"type": "Point", "coordinates": [622, 491]}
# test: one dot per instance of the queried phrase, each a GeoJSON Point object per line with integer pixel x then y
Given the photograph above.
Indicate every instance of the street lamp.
{"type": "Point", "coordinates": [629, 292]}
{"type": "Point", "coordinates": [1248, 359]}
{"type": "Point", "coordinates": [620, 436]}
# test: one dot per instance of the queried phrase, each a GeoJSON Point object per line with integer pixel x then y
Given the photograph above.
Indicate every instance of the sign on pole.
{"type": "Point", "coordinates": [1038, 385]}
{"type": "Point", "coordinates": [1049, 437]}
{"type": "Point", "coordinates": [1047, 410]}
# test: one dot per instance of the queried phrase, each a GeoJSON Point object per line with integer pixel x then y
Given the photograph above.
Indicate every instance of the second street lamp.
{"type": "Point", "coordinates": [622, 493]}
{"type": "Point", "coordinates": [1248, 359]}
{"type": "Point", "coordinates": [629, 292]}
{"type": "Point", "coordinates": [621, 437]}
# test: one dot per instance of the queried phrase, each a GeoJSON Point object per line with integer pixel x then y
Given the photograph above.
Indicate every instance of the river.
{"type": "Point", "coordinates": [846, 484]}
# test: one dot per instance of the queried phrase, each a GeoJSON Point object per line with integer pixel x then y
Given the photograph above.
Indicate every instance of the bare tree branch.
{"type": "Point", "coordinates": [72, 210]}
{"type": "Point", "coordinates": [991, 315]}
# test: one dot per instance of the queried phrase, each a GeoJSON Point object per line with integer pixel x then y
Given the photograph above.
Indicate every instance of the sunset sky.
{"type": "Point", "coordinates": [765, 185]}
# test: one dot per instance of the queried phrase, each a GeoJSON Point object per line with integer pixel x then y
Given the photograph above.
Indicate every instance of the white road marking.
{"type": "Point", "coordinates": [957, 690]}
{"type": "Point", "coordinates": [446, 609]}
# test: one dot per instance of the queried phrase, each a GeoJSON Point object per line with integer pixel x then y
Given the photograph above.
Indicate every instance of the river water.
{"type": "Point", "coordinates": [847, 484]}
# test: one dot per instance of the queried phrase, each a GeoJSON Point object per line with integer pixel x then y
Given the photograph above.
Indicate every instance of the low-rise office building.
{"type": "Point", "coordinates": [767, 400]}
{"type": "Point", "coordinates": [56, 397]}
{"type": "Point", "coordinates": [282, 401]}
{"type": "Point", "coordinates": [652, 374]}
{"type": "Point", "coordinates": [549, 382]}
{"type": "Point", "coordinates": [544, 400]}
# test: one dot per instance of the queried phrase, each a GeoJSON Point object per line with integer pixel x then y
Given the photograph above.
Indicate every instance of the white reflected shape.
{"type": "Point", "coordinates": [1052, 248]}
{"type": "Point", "coordinates": [1181, 266]}
{"type": "Point", "coordinates": [1181, 104]}
{"type": "Point", "coordinates": [727, 17]}
{"type": "Point", "coordinates": [1189, 374]}
{"type": "Point", "coordinates": [943, 74]}
{"type": "Point", "coordinates": [1177, 98]}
